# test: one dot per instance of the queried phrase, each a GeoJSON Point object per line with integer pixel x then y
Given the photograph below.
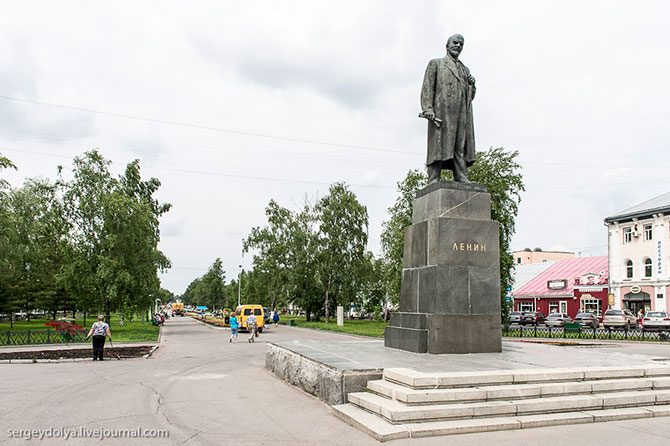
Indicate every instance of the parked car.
{"type": "Point", "coordinates": [532, 318]}
{"type": "Point", "coordinates": [587, 320]}
{"type": "Point", "coordinates": [656, 320]}
{"type": "Point", "coordinates": [615, 318]}
{"type": "Point", "coordinates": [515, 317]}
{"type": "Point", "coordinates": [557, 319]}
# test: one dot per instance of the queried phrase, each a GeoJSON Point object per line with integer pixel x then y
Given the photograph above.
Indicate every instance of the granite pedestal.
{"type": "Point", "coordinates": [450, 288]}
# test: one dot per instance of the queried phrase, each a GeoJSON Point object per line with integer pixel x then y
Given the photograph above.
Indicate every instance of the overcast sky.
{"type": "Point", "coordinates": [580, 89]}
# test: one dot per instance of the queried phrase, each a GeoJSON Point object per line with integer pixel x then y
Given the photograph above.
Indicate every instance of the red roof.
{"type": "Point", "coordinates": [565, 270]}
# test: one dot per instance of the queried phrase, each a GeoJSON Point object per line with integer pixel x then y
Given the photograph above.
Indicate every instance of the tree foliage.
{"type": "Point", "coordinates": [314, 258]}
{"type": "Point", "coordinates": [342, 239]}
{"type": "Point", "coordinates": [90, 243]}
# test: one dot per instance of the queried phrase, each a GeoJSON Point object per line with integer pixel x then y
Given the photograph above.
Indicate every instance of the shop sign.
{"type": "Point", "coordinates": [557, 284]}
{"type": "Point", "coordinates": [635, 289]}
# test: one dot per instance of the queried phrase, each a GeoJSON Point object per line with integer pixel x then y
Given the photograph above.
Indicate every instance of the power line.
{"type": "Point", "coordinates": [209, 173]}
{"type": "Point", "coordinates": [256, 134]}
{"type": "Point", "coordinates": [203, 127]}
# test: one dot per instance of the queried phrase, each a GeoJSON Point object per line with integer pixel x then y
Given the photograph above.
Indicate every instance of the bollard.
{"type": "Point", "coordinates": [340, 316]}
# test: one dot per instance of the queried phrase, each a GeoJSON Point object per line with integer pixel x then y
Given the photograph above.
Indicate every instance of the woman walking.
{"type": "Point", "coordinates": [234, 326]}
{"type": "Point", "coordinates": [99, 330]}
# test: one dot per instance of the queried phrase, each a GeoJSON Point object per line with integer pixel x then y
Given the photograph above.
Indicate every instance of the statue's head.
{"type": "Point", "coordinates": [455, 45]}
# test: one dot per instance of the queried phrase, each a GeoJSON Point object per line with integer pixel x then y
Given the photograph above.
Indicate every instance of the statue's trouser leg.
{"type": "Point", "coordinates": [460, 169]}
{"type": "Point", "coordinates": [434, 170]}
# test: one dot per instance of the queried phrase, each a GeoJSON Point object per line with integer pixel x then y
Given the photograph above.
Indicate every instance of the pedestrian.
{"type": "Point", "coordinates": [275, 318]}
{"type": "Point", "coordinates": [99, 330]}
{"type": "Point", "coordinates": [234, 327]}
{"type": "Point", "coordinates": [251, 326]}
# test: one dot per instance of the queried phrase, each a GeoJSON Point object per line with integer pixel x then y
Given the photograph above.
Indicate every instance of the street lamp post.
{"type": "Point", "coordinates": [239, 288]}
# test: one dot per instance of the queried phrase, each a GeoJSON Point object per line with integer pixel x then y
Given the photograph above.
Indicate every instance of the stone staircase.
{"type": "Point", "coordinates": [407, 403]}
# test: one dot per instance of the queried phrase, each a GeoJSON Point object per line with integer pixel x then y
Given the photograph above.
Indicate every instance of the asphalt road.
{"type": "Point", "coordinates": [204, 390]}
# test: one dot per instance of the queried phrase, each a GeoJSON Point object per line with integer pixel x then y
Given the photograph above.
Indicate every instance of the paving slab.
{"type": "Point", "coordinates": [372, 355]}
{"type": "Point", "coordinates": [627, 413]}
{"type": "Point", "coordinates": [554, 419]}
{"type": "Point", "coordinates": [462, 426]}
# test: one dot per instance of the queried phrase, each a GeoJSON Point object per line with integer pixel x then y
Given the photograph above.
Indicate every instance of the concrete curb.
{"type": "Point", "coordinates": [151, 352]}
{"type": "Point", "coordinates": [380, 338]}
{"type": "Point", "coordinates": [86, 344]}
{"type": "Point", "coordinates": [56, 361]}
{"type": "Point", "coordinates": [212, 326]}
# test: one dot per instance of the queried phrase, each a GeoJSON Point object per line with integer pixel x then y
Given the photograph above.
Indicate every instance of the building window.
{"type": "Point", "coordinates": [647, 267]}
{"type": "Point", "coordinates": [648, 234]}
{"type": "Point", "coordinates": [629, 269]}
{"type": "Point", "coordinates": [518, 260]}
{"type": "Point", "coordinates": [527, 306]}
{"type": "Point", "coordinates": [627, 235]}
{"type": "Point", "coordinates": [591, 306]}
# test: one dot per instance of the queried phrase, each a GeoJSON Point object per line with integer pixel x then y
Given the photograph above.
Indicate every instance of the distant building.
{"type": "Point", "coordinates": [530, 256]}
{"type": "Point", "coordinates": [638, 263]}
{"type": "Point", "coordinates": [564, 286]}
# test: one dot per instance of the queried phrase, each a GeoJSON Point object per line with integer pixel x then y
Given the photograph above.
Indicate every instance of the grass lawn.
{"type": "Point", "coordinates": [366, 327]}
{"type": "Point", "coordinates": [135, 331]}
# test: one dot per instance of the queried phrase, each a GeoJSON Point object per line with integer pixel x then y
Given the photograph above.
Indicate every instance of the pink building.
{"type": "Point", "coordinates": [564, 286]}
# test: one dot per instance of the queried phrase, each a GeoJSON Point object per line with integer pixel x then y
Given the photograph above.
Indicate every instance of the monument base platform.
{"type": "Point", "coordinates": [330, 370]}
{"type": "Point", "coordinates": [444, 333]}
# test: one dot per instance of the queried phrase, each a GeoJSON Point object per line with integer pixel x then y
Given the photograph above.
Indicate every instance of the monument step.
{"type": "Point", "coordinates": [421, 380]}
{"type": "Point", "coordinates": [397, 412]}
{"type": "Point", "coordinates": [382, 430]}
{"type": "Point", "coordinates": [413, 396]}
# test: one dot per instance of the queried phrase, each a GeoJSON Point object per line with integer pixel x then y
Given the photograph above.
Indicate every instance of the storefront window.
{"type": "Point", "coordinates": [526, 306]}
{"type": "Point", "coordinates": [591, 306]}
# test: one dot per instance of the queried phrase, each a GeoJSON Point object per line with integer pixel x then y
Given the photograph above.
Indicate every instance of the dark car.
{"type": "Point", "coordinates": [532, 318]}
{"type": "Point", "coordinates": [587, 320]}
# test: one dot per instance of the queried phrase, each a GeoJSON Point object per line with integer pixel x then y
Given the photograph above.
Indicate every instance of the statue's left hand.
{"type": "Point", "coordinates": [471, 79]}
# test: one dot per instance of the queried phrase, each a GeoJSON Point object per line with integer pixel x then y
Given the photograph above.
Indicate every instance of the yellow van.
{"type": "Point", "coordinates": [243, 312]}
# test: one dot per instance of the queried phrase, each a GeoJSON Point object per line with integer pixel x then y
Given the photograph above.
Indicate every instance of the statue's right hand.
{"type": "Point", "coordinates": [429, 114]}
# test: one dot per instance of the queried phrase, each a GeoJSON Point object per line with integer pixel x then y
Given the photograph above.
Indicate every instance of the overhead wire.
{"type": "Point", "coordinates": [204, 127]}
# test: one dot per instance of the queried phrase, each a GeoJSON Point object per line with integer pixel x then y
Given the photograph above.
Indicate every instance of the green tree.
{"type": "Point", "coordinates": [343, 236]}
{"type": "Point", "coordinates": [500, 172]}
{"type": "Point", "coordinates": [40, 244]}
{"type": "Point", "coordinates": [272, 254]}
{"type": "Point", "coordinates": [393, 231]}
{"type": "Point", "coordinates": [212, 286]}
{"type": "Point", "coordinates": [115, 260]}
{"type": "Point", "coordinates": [8, 260]}
{"type": "Point", "coordinates": [194, 294]}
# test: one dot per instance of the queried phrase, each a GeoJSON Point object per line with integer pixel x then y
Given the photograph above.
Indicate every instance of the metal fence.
{"type": "Point", "coordinates": [635, 334]}
{"type": "Point", "coordinates": [26, 337]}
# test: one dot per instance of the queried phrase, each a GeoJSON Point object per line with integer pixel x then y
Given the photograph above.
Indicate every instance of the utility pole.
{"type": "Point", "coordinates": [239, 287]}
